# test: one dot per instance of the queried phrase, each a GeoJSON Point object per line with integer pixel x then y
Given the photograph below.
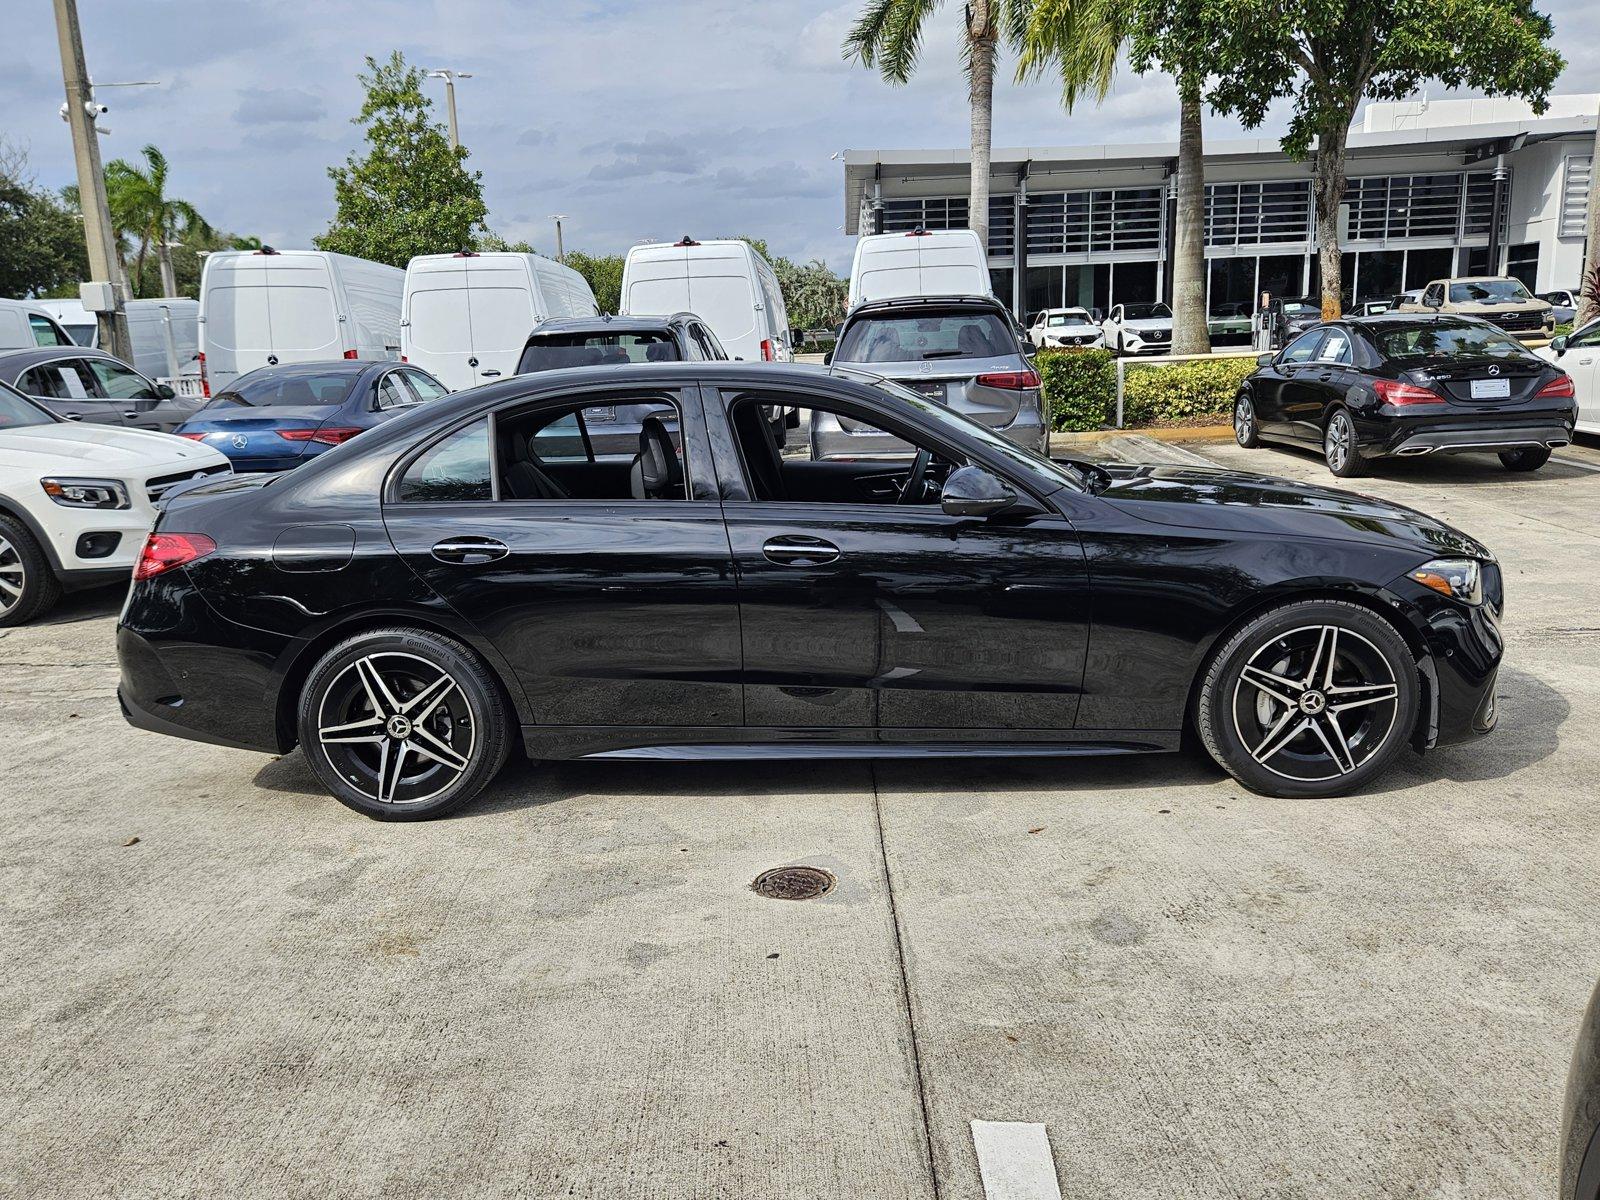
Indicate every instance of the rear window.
{"type": "Point", "coordinates": [1450, 341]}
{"type": "Point", "coordinates": [276, 389]}
{"type": "Point", "coordinates": [891, 338]}
{"type": "Point", "coordinates": [554, 351]}
{"type": "Point", "coordinates": [1488, 291]}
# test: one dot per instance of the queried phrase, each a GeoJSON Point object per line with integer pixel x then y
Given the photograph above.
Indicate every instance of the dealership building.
{"type": "Point", "coordinates": [1435, 188]}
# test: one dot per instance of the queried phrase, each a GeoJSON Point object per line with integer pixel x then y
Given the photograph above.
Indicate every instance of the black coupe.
{"type": "Point", "coordinates": [1406, 385]}
{"type": "Point", "coordinates": [471, 577]}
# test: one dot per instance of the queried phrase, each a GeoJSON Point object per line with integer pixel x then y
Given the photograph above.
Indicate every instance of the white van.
{"type": "Point", "coordinates": [165, 332]}
{"type": "Point", "coordinates": [82, 326]}
{"type": "Point", "coordinates": [725, 283]}
{"type": "Point", "coordinates": [27, 323]}
{"type": "Point", "coordinates": [262, 307]}
{"type": "Point", "coordinates": [946, 262]}
{"type": "Point", "coordinates": [467, 316]}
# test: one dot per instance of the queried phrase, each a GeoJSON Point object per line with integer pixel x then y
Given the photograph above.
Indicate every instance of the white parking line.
{"type": "Point", "coordinates": [1015, 1161]}
{"type": "Point", "coordinates": [1573, 462]}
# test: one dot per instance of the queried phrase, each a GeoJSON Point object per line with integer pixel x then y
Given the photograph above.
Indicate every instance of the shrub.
{"type": "Point", "coordinates": [1079, 387]}
{"type": "Point", "coordinates": [1182, 390]}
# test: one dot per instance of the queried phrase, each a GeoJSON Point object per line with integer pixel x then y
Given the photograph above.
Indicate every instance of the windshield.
{"type": "Point", "coordinates": [550, 352]}
{"type": "Point", "coordinates": [277, 387]}
{"type": "Point", "coordinates": [17, 411]}
{"type": "Point", "coordinates": [1145, 312]}
{"type": "Point", "coordinates": [1488, 291]}
{"type": "Point", "coordinates": [1295, 308]}
{"type": "Point", "coordinates": [1450, 341]}
{"type": "Point", "coordinates": [947, 418]}
{"type": "Point", "coordinates": [1059, 319]}
{"type": "Point", "coordinates": [889, 339]}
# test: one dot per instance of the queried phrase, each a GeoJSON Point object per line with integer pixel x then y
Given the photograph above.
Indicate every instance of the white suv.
{"type": "Point", "coordinates": [1144, 328]}
{"type": "Point", "coordinates": [77, 500]}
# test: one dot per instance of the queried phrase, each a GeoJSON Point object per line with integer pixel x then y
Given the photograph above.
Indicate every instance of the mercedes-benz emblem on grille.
{"type": "Point", "coordinates": [238, 441]}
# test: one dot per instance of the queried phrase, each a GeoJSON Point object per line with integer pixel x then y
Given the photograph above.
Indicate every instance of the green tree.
{"type": "Point", "coordinates": [813, 294]}
{"type": "Point", "coordinates": [141, 208]}
{"type": "Point", "coordinates": [1083, 40]}
{"type": "Point", "coordinates": [1328, 57]}
{"type": "Point", "coordinates": [411, 193]}
{"type": "Point", "coordinates": [888, 36]}
{"type": "Point", "coordinates": [41, 236]}
{"type": "Point", "coordinates": [604, 275]}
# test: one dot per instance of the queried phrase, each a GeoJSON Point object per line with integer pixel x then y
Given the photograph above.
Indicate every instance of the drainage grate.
{"type": "Point", "coordinates": [793, 883]}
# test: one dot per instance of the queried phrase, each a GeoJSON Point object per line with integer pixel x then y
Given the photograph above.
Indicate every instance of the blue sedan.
{"type": "Point", "coordinates": [277, 417]}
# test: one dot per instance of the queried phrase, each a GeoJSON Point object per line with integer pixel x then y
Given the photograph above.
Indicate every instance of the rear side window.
{"type": "Point", "coordinates": [456, 469]}
{"type": "Point", "coordinates": [393, 393]}
{"type": "Point", "coordinates": [894, 338]}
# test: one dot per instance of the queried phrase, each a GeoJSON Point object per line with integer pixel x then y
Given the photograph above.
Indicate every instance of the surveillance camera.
{"type": "Point", "coordinates": [95, 110]}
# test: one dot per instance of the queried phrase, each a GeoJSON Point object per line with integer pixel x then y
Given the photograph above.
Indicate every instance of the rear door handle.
{"type": "Point", "coordinates": [470, 551]}
{"type": "Point", "coordinates": [488, 374]}
{"type": "Point", "coordinates": [798, 550]}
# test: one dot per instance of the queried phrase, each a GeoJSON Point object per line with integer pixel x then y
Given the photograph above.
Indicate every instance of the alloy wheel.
{"type": "Point", "coordinates": [1339, 441]}
{"type": "Point", "coordinates": [397, 727]}
{"type": "Point", "coordinates": [1315, 703]}
{"type": "Point", "coordinates": [13, 576]}
{"type": "Point", "coordinates": [1244, 420]}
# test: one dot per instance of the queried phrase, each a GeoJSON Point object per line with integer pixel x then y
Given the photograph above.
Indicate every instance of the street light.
{"type": "Point", "coordinates": [561, 250]}
{"type": "Point", "coordinates": [450, 77]}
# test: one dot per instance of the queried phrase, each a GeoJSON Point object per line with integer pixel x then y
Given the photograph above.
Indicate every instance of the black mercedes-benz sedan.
{"type": "Point", "coordinates": [470, 577]}
{"type": "Point", "coordinates": [1404, 385]}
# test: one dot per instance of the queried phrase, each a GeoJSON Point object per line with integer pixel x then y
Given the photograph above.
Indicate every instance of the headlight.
{"type": "Point", "coordinates": [1459, 578]}
{"type": "Point", "coordinates": [86, 493]}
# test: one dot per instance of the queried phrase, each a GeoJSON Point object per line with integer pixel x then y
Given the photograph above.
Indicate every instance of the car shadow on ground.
{"type": "Point", "coordinates": [1457, 469]}
{"type": "Point", "coordinates": [1530, 716]}
{"type": "Point", "coordinates": [88, 605]}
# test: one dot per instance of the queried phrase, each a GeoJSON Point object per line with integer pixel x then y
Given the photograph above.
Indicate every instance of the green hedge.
{"type": "Point", "coordinates": [1080, 389]}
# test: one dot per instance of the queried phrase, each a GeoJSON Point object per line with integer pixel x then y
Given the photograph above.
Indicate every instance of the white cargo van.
{"type": "Point", "coordinates": [467, 316]}
{"type": "Point", "coordinates": [725, 283]}
{"type": "Point", "coordinates": [946, 262]}
{"type": "Point", "coordinates": [27, 323]}
{"type": "Point", "coordinates": [165, 332]}
{"type": "Point", "coordinates": [259, 308]}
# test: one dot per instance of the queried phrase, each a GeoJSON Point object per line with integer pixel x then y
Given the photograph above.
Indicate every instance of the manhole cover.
{"type": "Point", "coordinates": [793, 883]}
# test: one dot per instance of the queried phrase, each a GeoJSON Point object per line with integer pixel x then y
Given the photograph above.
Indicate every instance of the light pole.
{"type": "Point", "coordinates": [81, 114]}
{"type": "Point", "coordinates": [450, 77]}
{"type": "Point", "coordinates": [561, 250]}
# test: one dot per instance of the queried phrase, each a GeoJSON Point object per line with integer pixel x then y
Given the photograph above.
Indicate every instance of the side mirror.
{"type": "Point", "coordinates": [1030, 349]}
{"type": "Point", "coordinates": [1558, 344]}
{"type": "Point", "coordinates": [1264, 360]}
{"type": "Point", "coordinates": [827, 358]}
{"type": "Point", "coordinates": [164, 392]}
{"type": "Point", "coordinates": [974, 492]}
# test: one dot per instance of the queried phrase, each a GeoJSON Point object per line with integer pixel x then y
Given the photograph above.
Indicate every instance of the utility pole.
{"type": "Point", "coordinates": [1589, 285]}
{"type": "Point", "coordinates": [81, 113]}
{"type": "Point", "coordinates": [561, 250]}
{"type": "Point", "coordinates": [450, 78]}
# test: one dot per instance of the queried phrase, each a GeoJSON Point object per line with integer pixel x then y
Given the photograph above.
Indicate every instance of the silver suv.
{"type": "Point", "coordinates": [962, 351]}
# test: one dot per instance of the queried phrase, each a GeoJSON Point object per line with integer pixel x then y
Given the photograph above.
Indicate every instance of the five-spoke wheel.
{"type": "Point", "coordinates": [1244, 422]}
{"type": "Point", "coordinates": [1311, 699]}
{"type": "Point", "coordinates": [402, 723]}
{"type": "Point", "coordinates": [1340, 450]}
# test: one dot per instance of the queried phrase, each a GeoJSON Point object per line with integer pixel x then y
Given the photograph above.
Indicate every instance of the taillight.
{"type": "Point", "coordinates": [164, 551]}
{"type": "Point", "coordinates": [766, 350]}
{"type": "Point", "coordinates": [327, 436]}
{"type": "Point", "coordinates": [1011, 381]}
{"type": "Point", "coordinates": [193, 437]}
{"type": "Point", "coordinates": [1559, 388]}
{"type": "Point", "coordinates": [404, 359]}
{"type": "Point", "coordinates": [1401, 395]}
{"type": "Point", "coordinates": [352, 354]}
{"type": "Point", "coordinates": [205, 384]}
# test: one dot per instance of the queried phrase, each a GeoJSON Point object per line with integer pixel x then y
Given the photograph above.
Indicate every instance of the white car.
{"type": "Point", "coordinates": [1065, 327]}
{"type": "Point", "coordinates": [1578, 354]}
{"type": "Point", "coordinates": [1144, 328]}
{"type": "Point", "coordinates": [77, 500]}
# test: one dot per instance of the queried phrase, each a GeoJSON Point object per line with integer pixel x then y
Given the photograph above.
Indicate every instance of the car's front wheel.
{"type": "Point", "coordinates": [1528, 458]}
{"type": "Point", "coordinates": [1311, 699]}
{"type": "Point", "coordinates": [1339, 447]}
{"type": "Point", "coordinates": [403, 724]}
{"type": "Point", "coordinates": [1245, 431]}
{"type": "Point", "coordinates": [28, 586]}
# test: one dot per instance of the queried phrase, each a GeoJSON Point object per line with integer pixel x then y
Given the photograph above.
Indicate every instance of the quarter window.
{"type": "Point", "coordinates": [1336, 348]}
{"type": "Point", "coordinates": [456, 469]}
{"type": "Point", "coordinates": [392, 393]}
{"type": "Point", "coordinates": [425, 386]}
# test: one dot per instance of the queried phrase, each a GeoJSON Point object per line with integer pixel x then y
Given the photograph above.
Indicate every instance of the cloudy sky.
{"type": "Point", "coordinates": [638, 120]}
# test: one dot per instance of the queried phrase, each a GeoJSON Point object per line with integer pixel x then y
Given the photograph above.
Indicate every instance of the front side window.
{"type": "Point", "coordinates": [45, 332]}
{"type": "Point", "coordinates": [1488, 291]}
{"type": "Point", "coordinates": [1303, 348]}
{"type": "Point", "coordinates": [455, 469]}
{"type": "Point", "coordinates": [893, 338]}
{"type": "Point", "coordinates": [119, 383]}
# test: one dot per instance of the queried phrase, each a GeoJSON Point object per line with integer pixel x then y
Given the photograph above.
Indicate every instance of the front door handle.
{"type": "Point", "coordinates": [798, 550]}
{"type": "Point", "coordinates": [1325, 376]}
{"type": "Point", "coordinates": [132, 415]}
{"type": "Point", "coordinates": [470, 551]}
{"type": "Point", "coordinates": [74, 416]}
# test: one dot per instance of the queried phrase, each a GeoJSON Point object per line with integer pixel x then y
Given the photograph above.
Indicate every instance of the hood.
{"type": "Point", "coordinates": [101, 448]}
{"type": "Point", "coordinates": [1212, 498]}
{"type": "Point", "coordinates": [1149, 323]}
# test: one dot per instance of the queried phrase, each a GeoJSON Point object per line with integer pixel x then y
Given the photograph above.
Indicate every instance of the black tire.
{"type": "Point", "coordinates": [28, 584]}
{"type": "Point", "coordinates": [1246, 428]}
{"type": "Point", "coordinates": [422, 744]}
{"type": "Point", "coordinates": [1284, 737]}
{"type": "Point", "coordinates": [1528, 458]}
{"type": "Point", "coordinates": [1340, 449]}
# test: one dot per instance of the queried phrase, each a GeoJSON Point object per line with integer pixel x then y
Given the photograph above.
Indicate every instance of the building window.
{"type": "Point", "coordinates": [1095, 221]}
{"type": "Point", "coordinates": [1575, 180]}
{"type": "Point", "coordinates": [1245, 214]}
{"type": "Point", "coordinates": [1480, 205]}
{"type": "Point", "coordinates": [950, 212]}
{"type": "Point", "coordinates": [1522, 262]}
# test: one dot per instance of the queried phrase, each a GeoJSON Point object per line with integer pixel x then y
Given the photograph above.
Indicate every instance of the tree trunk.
{"type": "Point", "coordinates": [1589, 301]}
{"type": "Point", "coordinates": [138, 268]}
{"type": "Point", "coordinates": [980, 94]}
{"type": "Point", "coordinates": [1328, 185]}
{"type": "Point", "coordinates": [169, 278]}
{"type": "Point", "coordinates": [1190, 334]}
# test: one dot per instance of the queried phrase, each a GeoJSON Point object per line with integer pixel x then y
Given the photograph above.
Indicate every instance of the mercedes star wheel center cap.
{"type": "Point", "coordinates": [399, 727]}
{"type": "Point", "coordinates": [1311, 703]}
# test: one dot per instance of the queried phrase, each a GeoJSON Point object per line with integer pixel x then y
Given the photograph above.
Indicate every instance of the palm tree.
{"type": "Point", "coordinates": [1084, 39]}
{"type": "Point", "coordinates": [140, 205]}
{"type": "Point", "coordinates": [888, 36]}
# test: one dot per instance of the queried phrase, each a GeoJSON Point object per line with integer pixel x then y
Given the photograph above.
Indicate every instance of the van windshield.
{"type": "Point", "coordinates": [913, 338]}
{"type": "Point", "coordinates": [550, 352]}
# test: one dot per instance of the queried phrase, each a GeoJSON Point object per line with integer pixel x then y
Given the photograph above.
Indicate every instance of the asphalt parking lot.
{"type": "Point", "coordinates": [220, 982]}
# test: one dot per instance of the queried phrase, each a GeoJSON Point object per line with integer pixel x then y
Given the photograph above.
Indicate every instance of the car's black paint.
{"type": "Point", "coordinates": [1077, 619]}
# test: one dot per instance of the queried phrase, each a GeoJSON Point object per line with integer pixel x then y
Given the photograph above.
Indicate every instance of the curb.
{"type": "Point", "coordinates": [1198, 433]}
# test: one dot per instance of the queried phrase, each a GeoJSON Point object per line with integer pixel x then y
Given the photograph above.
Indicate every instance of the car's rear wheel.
{"type": "Point", "coordinates": [1527, 458]}
{"type": "Point", "coordinates": [28, 585]}
{"type": "Point", "coordinates": [403, 724]}
{"type": "Point", "coordinates": [1311, 699]}
{"type": "Point", "coordinates": [1339, 447]}
{"type": "Point", "coordinates": [1245, 431]}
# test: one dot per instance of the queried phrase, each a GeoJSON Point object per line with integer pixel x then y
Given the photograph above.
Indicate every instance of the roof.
{"type": "Point", "coordinates": [27, 356]}
{"type": "Point", "coordinates": [632, 322]}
